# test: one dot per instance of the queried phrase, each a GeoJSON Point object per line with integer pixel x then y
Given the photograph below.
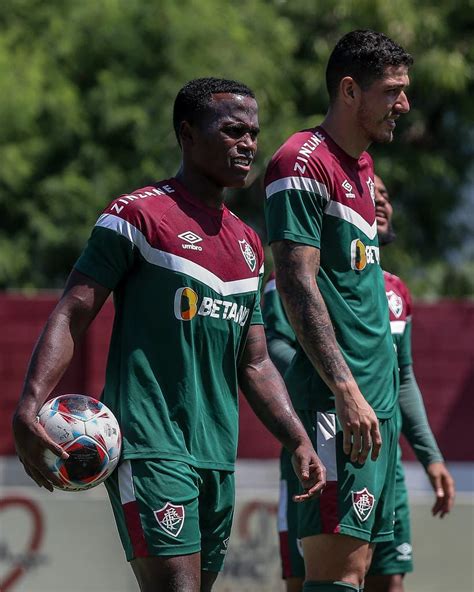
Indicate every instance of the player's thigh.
{"type": "Point", "coordinates": [168, 574]}
{"type": "Point", "coordinates": [395, 557]}
{"type": "Point", "coordinates": [216, 511]}
{"type": "Point", "coordinates": [156, 506]}
{"type": "Point", "coordinates": [291, 552]}
{"type": "Point", "coordinates": [358, 500]}
{"type": "Point", "coordinates": [335, 557]}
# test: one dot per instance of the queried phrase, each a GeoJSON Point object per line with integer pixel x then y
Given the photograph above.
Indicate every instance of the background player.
{"type": "Point", "coordinates": [187, 330]}
{"type": "Point", "coordinates": [391, 560]}
{"type": "Point", "coordinates": [343, 379]}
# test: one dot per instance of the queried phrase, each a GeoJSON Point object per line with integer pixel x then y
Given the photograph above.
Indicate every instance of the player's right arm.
{"type": "Point", "coordinates": [81, 301]}
{"type": "Point", "coordinates": [296, 269]}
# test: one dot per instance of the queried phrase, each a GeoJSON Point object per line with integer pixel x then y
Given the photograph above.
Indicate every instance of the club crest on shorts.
{"type": "Point", "coordinates": [363, 503]}
{"type": "Point", "coordinates": [248, 254]}
{"type": "Point", "coordinates": [170, 518]}
{"type": "Point", "coordinates": [395, 303]}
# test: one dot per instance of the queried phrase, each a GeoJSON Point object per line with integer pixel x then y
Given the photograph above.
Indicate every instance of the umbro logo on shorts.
{"type": "Point", "coordinates": [404, 551]}
{"type": "Point", "coordinates": [170, 518]}
{"type": "Point", "coordinates": [363, 502]}
{"type": "Point", "coordinates": [225, 544]}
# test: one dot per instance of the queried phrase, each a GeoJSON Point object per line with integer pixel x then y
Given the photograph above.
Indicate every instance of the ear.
{"type": "Point", "coordinates": [349, 90]}
{"type": "Point", "coordinates": [186, 133]}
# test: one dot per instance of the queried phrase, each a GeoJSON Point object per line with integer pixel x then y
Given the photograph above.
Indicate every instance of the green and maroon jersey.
{"type": "Point", "coordinates": [400, 309]}
{"type": "Point", "coordinates": [186, 283]}
{"type": "Point", "coordinates": [318, 195]}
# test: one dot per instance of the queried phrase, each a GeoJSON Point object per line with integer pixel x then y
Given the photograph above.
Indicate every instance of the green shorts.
{"type": "Point", "coordinates": [395, 557]}
{"type": "Point", "coordinates": [291, 552]}
{"type": "Point", "coordinates": [169, 508]}
{"type": "Point", "coordinates": [358, 500]}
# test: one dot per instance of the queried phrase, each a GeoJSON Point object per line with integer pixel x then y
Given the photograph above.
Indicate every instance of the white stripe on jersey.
{"type": "Point", "coordinates": [125, 482]}
{"type": "Point", "coordinates": [397, 327]}
{"type": "Point", "coordinates": [326, 443]}
{"type": "Point", "coordinates": [339, 210]}
{"type": "Point", "coordinates": [299, 183]}
{"type": "Point", "coordinates": [175, 262]}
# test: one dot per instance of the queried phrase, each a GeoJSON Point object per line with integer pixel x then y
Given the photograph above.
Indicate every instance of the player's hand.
{"type": "Point", "coordinates": [360, 426]}
{"type": "Point", "coordinates": [31, 441]}
{"type": "Point", "coordinates": [310, 471]}
{"type": "Point", "coordinates": [443, 486]}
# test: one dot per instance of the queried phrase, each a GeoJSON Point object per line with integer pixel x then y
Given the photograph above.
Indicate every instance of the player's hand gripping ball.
{"type": "Point", "coordinates": [88, 432]}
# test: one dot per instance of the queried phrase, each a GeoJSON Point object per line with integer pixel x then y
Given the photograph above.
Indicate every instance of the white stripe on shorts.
{"type": "Point", "coordinates": [283, 506]}
{"type": "Point", "coordinates": [326, 443]}
{"type": "Point", "coordinates": [125, 482]}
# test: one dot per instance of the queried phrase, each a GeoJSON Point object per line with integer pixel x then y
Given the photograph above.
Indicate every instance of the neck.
{"type": "Point", "coordinates": [344, 131]}
{"type": "Point", "coordinates": [201, 187]}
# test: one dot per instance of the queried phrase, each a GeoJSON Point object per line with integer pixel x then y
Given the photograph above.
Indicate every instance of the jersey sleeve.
{"type": "Point", "coordinates": [294, 204]}
{"type": "Point", "coordinates": [404, 349]}
{"type": "Point", "coordinates": [110, 252]}
{"type": "Point", "coordinates": [415, 425]}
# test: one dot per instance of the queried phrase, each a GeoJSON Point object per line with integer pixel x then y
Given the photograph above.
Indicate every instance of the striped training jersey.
{"type": "Point", "coordinates": [186, 280]}
{"type": "Point", "coordinates": [318, 195]}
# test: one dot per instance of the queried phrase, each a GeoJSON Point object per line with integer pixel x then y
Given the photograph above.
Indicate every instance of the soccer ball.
{"type": "Point", "coordinates": [88, 431]}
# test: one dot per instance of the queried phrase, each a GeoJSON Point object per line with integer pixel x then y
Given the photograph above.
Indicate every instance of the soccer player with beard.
{"type": "Point", "coordinates": [343, 380]}
{"type": "Point", "coordinates": [188, 330]}
{"type": "Point", "coordinates": [391, 560]}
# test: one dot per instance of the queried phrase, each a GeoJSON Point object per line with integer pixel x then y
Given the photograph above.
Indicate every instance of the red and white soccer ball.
{"type": "Point", "coordinates": [88, 432]}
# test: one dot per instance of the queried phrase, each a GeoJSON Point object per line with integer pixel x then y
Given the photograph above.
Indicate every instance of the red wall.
{"type": "Point", "coordinates": [443, 349]}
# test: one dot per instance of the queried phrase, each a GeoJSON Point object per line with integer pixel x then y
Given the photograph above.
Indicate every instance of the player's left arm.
{"type": "Point", "coordinates": [264, 389]}
{"type": "Point", "coordinates": [415, 425]}
{"type": "Point", "coordinates": [416, 429]}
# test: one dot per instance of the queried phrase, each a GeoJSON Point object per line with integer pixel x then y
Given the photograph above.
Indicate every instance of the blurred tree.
{"type": "Point", "coordinates": [429, 166]}
{"type": "Point", "coordinates": [86, 92]}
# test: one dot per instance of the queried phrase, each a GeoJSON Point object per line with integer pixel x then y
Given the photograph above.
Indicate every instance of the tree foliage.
{"type": "Point", "coordinates": [86, 91]}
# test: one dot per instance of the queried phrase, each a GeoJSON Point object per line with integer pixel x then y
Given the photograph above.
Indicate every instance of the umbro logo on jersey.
{"type": "Point", "coordinates": [248, 254]}
{"type": "Point", "coordinates": [348, 189]}
{"type": "Point", "coordinates": [191, 240]}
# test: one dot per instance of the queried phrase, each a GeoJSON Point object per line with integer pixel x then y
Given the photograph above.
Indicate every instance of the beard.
{"type": "Point", "coordinates": [387, 237]}
{"type": "Point", "coordinates": [373, 129]}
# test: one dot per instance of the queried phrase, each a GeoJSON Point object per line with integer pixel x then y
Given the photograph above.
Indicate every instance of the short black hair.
{"type": "Point", "coordinates": [192, 100]}
{"type": "Point", "coordinates": [363, 55]}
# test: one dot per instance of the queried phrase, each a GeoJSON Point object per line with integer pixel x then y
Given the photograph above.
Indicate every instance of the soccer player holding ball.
{"type": "Point", "coordinates": [391, 560]}
{"type": "Point", "coordinates": [185, 273]}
